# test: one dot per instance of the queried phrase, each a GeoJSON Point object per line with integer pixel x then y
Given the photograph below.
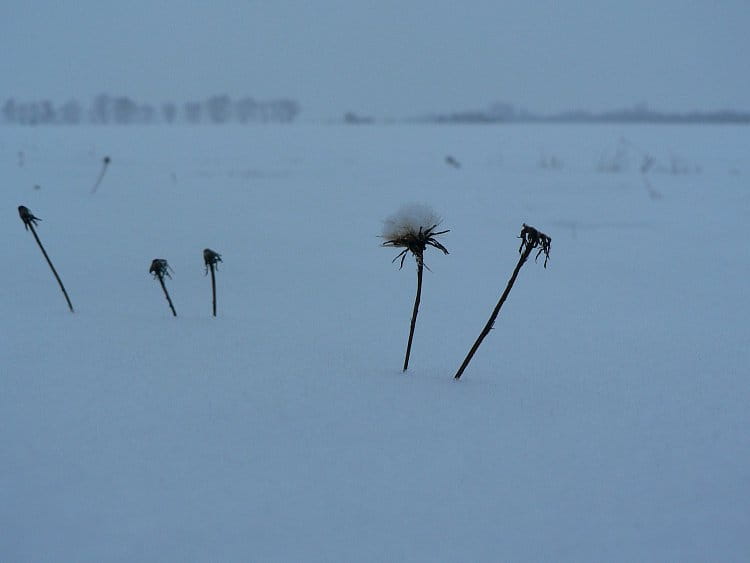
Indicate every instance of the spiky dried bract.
{"type": "Point", "coordinates": [159, 268]}
{"type": "Point", "coordinates": [413, 228]}
{"type": "Point", "coordinates": [531, 239]}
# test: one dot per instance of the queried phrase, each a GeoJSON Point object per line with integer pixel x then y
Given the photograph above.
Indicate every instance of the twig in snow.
{"type": "Point", "coordinates": [29, 222]}
{"type": "Point", "coordinates": [105, 163]}
{"type": "Point", "coordinates": [160, 269]}
{"type": "Point", "coordinates": [413, 229]}
{"type": "Point", "coordinates": [211, 260]}
{"type": "Point", "coordinates": [451, 161]}
{"type": "Point", "coordinates": [531, 239]}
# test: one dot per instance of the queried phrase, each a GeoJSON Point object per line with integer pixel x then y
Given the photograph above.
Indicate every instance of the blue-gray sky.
{"type": "Point", "coordinates": [386, 57]}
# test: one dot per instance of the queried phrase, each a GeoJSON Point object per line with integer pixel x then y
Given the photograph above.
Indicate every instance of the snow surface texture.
{"type": "Point", "coordinates": [604, 419]}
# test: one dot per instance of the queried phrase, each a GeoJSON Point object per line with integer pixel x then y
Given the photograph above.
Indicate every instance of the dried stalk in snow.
{"type": "Point", "coordinates": [29, 221]}
{"type": "Point", "coordinates": [530, 240]}
{"type": "Point", "coordinates": [413, 229]}
{"type": "Point", "coordinates": [211, 260]}
{"type": "Point", "coordinates": [160, 269]}
{"type": "Point", "coordinates": [105, 163]}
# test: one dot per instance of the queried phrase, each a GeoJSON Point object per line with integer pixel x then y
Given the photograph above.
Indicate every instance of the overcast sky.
{"type": "Point", "coordinates": [389, 58]}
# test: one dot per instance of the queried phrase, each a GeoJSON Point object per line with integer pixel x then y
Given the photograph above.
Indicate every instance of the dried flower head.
{"type": "Point", "coordinates": [413, 228]}
{"type": "Point", "coordinates": [211, 258]}
{"type": "Point", "coordinates": [531, 239]}
{"type": "Point", "coordinates": [27, 217]}
{"type": "Point", "coordinates": [160, 268]}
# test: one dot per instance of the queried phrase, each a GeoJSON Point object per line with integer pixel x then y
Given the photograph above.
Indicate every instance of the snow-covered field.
{"type": "Point", "coordinates": [606, 418]}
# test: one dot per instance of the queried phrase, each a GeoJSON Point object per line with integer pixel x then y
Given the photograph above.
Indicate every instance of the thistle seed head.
{"type": "Point", "coordinates": [413, 228]}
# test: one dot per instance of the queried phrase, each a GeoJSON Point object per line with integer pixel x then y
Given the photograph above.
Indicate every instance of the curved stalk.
{"type": "Point", "coordinates": [105, 163]}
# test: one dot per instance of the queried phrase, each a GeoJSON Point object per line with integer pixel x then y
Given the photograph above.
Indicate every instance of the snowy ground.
{"type": "Point", "coordinates": [604, 419]}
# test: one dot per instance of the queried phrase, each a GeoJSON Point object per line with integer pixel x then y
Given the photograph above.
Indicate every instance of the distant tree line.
{"type": "Point", "coordinates": [122, 110]}
{"type": "Point", "coordinates": [640, 113]}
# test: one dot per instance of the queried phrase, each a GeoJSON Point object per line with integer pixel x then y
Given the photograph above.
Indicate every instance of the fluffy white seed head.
{"type": "Point", "coordinates": [408, 220]}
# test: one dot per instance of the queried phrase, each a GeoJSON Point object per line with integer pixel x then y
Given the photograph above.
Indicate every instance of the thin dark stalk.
{"type": "Point", "coordinates": [166, 294]}
{"type": "Point", "coordinates": [211, 259]}
{"type": "Point", "coordinates": [105, 163]}
{"type": "Point", "coordinates": [490, 323]}
{"type": "Point", "coordinates": [531, 239]}
{"type": "Point", "coordinates": [213, 288]}
{"type": "Point", "coordinates": [160, 268]}
{"type": "Point", "coordinates": [415, 312]}
{"type": "Point", "coordinates": [29, 221]}
{"type": "Point", "coordinates": [415, 241]}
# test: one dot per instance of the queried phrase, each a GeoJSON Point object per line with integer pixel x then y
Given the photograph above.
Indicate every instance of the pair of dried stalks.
{"type": "Point", "coordinates": [160, 269]}
{"type": "Point", "coordinates": [416, 240]}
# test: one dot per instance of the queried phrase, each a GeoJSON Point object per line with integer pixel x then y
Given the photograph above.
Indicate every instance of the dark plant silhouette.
{"type": "Point", "coordinates": [105, 162]}
{"type": "Point", "coordinates": [646, 167]}
{"type": "Point", "coordinates": [451, 161]}
{"type": "Point", "coordinates": [160, 269]}
{"type": "Point", "coordinates": [413, 229]}
{"type": "Point", "coordinates": [648, 163]}
{"type": "Point", "coordinates": [531, 239]}
{"type": "Point", "coordinates": [211, 260]}
{"type": "Point", "coordinates": [29, 222]}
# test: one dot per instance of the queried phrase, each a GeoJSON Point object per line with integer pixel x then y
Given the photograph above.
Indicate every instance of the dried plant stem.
{"type": "Point", "coordinates": [213, 287]}
{"type": "Point", "coordinates": [413, 230]}
{"type": "Point", "coordinates": [57, 277]}
{"type": "Point", "coordinates": [211, 259]}
{"type": "Point", "coordinates": [531, 239]}
{"type": "Point", "coordinates": [415, 312]}
{"type": "Point", "coordinates": [160, 268]}
{"type": "Point", "coordinates": [166, 294]}
{"type": "Point", "coordinates": [28, 221]}
{"type": "Point", "coordinates": [105, 163]}
{"type": "Point", "coordinates": [490, 323]}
